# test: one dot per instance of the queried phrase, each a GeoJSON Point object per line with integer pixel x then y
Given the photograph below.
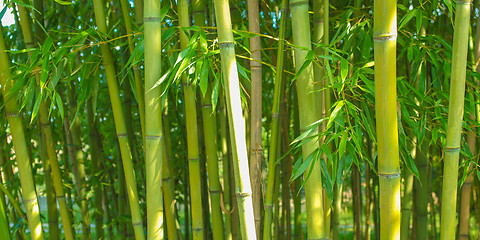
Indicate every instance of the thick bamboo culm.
{"type": "Point", "coordinates": [385, 44]}
{"type": "Point", "coordinates": [120, 125]}
{"type": "Point", "coordinates": [236, 122]}
{"type": "Point", "coordinates": [275, 125]}
{"type": "Point", "coordinates": [13, 115]}
{"type": "Point", "coordinates": [153, 119]}
{"type": "Point", "coordinates": [256, 153]}
{"type": "Point", "coordinates": [193, 153]}
{"type": "Point", "coordinates": [455, 119]}
{"type": "Point", "coordinates": [308, 104]}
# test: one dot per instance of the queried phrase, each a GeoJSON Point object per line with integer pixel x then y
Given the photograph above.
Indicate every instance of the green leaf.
{"type": "Point", "coordinates": [63, 2]}
{"type": "Point", "coordinates": [301, 169]}
{"type": "Point", "coordinates": [407, 18]}
{"type": "Point", "coordinates": [344, 67]}
{"type": "Point", "coordinates": [342, 145]}
{"type": "Point", "coordinates": [334, 113]}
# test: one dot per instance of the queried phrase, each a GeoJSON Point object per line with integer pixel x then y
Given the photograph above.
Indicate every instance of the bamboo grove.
{"type": "Point", "coordinates": [275, 119]}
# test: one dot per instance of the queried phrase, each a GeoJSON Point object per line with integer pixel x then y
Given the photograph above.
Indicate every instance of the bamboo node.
{"type": "Point", "coordinates": [206, 105]}
{"type": "Point", "coordinates": [152, 19]}
{"type": "Point", "coordinates": [275, 115]}
{"type": "Point", "coordinates": [463, 2]}
{"type": "Point", "coordinates": [197, 229]}
{"type": "Point", "coordinates": [137, 223]}
{"type": "Point", "coordinates": [120, 135]}
{"type": "Point", "coordinates": [193, 159]}
{"type": "Point", "coordinates": [214, 191]}
{"type": "Point", "coordinates": [11, 114]}
{"type": "Point", "coordinates": [452, 149]}
{"type": "Point", "coordinates": [389, 175]}
{"type": "Point", "coordinates": [242, 195]}
{"type": "Point", "coordinates": [226, 44]}
{"type": "Point", "coordinates": [154, 137]}
{"type": "Point", "coordinates": [385, 37]}
{"type": "Point", "coordinates": [298, 3]}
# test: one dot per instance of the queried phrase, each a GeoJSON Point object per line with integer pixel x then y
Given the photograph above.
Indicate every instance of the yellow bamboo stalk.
{"type": "Point", "coordinates": [385, 43]}
{"type": "Point", "coordinates": [455, 119]}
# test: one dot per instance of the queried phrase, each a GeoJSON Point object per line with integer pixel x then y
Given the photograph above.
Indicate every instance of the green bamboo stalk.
{"type": "Point", "coordinates": [256, 153]}
{"type": "Point", "coordinates": [4, 223]}
{"type": "Point", "coordinates": [8, 177]}
{"type": "Point", "coordinates": [122, 196]}
{"type": "Point", "coordinates": [140, 92]}
{"type": "Point", "coordinates": [406, 208]}
{"type": "Point", "coordinates": [455, 118]}
{"type": "Point", "coordinates": [210, 135]}
{"type": "Point", "coordinates": [385, 34]}
{"type": "Point", "coordinates": [215, 189]}
{"type": "Point", "coordinates": [192, 132]}
{"type": "Point", "coordinates": [120, 125]}
{"type": "Point", "coordinates": [464, 214]}
{"type": "Point", "coordinates": [18, 137]}
{"type": "Point", "coordinates": [275, 123]}
{"type": "Point", "coordinates": [52, 213]}
{"type": "Point", "coordinates": [47, 134]}
{"type": "Point", "coordinates": [226, 162]}
{"type": "Point", "coordinates": [78, 169]}
{"type": "Point", "coordinates": [337, 202]}
{"type": "Point", "coordinates": [4, 232]}
{"type": "Point", "coordinates": [95, 144]}
{"type": "Point", "coordinates": [297, 200]}
{"type": "Point", "coordinates": [168, 193]}
{"type": "Point", "coordinates": [153, 120]}
{"type": "Point", "coordinates": [308, 103]}
{"type": "Point", "coordinates": [236, 122]}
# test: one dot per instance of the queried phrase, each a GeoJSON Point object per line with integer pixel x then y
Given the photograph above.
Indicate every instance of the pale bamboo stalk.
{"type": "Point", "coordinates": [236, 122]}
{"type": "Point", "coordinates": [385, 36]}
{"type": "Point", "coordinates": [455, 118]}
{"type": "Point", "coordinates": [256, 153]}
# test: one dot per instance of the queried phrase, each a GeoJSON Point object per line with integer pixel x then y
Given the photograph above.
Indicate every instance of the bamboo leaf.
{"type": "Point", "coordinates": [407, 18]}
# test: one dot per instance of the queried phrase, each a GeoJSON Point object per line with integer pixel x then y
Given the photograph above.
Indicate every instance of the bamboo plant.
{"type": "Point", "coordinates": [385, 34]}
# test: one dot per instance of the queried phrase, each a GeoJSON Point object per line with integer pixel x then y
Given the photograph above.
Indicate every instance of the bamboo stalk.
{"type": "Point", "coordinates": [47, 134]}
{"type": "Point", "coordinates": [275, 124]}
{"type": "Point", "coordinates": [256, 153]}
{"type": "Point", "coordinates": [385, 34]}
{"type": "Point", "coordinates": [226, 162]}
{"type": "Point", "coordinates": [52, 214]}
{"type": "Point", "coordinates": [192, 133]}
{"type": "Point", "coordinates": [308, 104]}
{"type": "Point", "coordinates": [153, 121]}
{"type": "Point", "coordinates": [21, 152]}
{"type": "Point", "coordinates": [236, 122]}
{"type": "Point", "coordinates": [455, 118]}
{"type": "Point", "coordinates": [120, 126]}
{"type": "Point", "coordinates": [167, 179]}
{"type": "Point", "coordinates": [95, 145]}
{"type": "Point", "coordinates": [464, 213]}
